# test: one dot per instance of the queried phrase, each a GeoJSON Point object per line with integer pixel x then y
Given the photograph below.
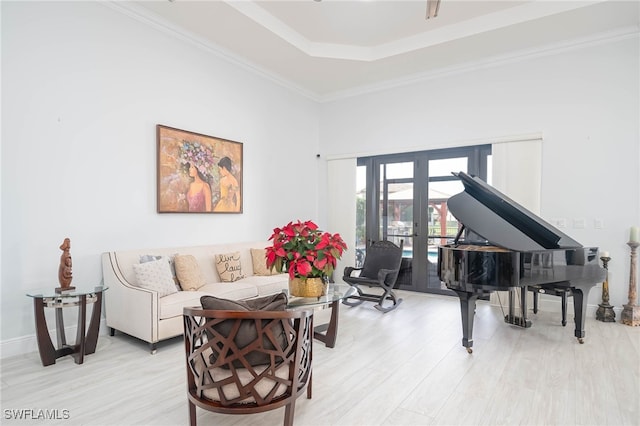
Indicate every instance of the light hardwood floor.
{"type": "Point", "coordinates": [406, 367]}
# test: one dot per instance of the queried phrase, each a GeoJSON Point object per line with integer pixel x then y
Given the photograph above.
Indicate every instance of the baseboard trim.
{"type": "Point", "coordinates": [28, 344]}
{"type": "Point", "coordinates": [552, 303]}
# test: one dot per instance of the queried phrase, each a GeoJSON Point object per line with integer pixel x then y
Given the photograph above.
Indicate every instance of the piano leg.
{"type": "Point", "coordinates": [564, 308]}
{"type": "Point", "coordinates": [580, 297]}
{"type": "Point", "coordinates": [468, 311]}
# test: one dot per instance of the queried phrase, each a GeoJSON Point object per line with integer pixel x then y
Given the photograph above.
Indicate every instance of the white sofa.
{"type": "Point", "coordinates": [141, 313]}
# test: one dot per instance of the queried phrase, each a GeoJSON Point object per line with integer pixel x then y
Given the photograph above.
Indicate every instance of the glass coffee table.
{"type": "Point", "coordinates": [326, 333]}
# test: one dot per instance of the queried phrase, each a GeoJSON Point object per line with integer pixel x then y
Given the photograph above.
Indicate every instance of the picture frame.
{"type": "Point", "coordinates": [198, 173]}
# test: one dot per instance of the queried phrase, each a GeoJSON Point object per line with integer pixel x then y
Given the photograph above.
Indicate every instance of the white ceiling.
{"type": "Point", "coordinates": [332, 48]}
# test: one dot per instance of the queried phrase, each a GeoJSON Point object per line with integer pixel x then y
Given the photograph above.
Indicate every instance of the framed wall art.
{"type": "Point", "coordinates": [198, 173]}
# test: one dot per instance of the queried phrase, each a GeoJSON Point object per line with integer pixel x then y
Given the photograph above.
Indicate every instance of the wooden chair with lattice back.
{"type": "Point", "coordinates": [380, 269]}
{"type": "Point", "coordinates": [244, 362]}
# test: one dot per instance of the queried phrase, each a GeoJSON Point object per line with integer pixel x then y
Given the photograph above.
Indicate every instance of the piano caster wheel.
{"type": "Point", "coordinates": [581, 340]}
{"type": "Point", "coordinates": [469, 350]}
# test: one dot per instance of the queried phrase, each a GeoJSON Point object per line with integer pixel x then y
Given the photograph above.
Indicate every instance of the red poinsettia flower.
{"type": "Point", "coordinates": [303, 268]}
{"type": "Point", "coordinates": [302, 250]}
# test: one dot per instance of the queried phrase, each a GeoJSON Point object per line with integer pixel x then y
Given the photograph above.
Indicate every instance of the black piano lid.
{"type": "Point", "coordinates": [501, 221]}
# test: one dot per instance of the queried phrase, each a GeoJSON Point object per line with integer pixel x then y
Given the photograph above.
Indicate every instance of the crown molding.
{"type": "Point", "coordinates": [144, 16]}
{"type": "Point", "coordinates": [500, 19]}
{"type": "Point", "coordinates": [494, 61]}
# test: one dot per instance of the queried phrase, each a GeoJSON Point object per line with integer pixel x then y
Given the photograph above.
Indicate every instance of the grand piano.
{"type": "Point", "coordinates": [503, 246]}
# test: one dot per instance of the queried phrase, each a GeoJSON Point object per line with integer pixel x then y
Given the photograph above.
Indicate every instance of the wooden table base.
{"type": "Point", "coordinates": [330, 330]}
{"type": "Point", "coordinates": [86, 339]}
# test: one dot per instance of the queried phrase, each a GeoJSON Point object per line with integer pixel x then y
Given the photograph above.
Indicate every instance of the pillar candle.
{"type": "Point", "coordinates": [604, 254]}
{"type": "Point", "coordinates": [634, 235]}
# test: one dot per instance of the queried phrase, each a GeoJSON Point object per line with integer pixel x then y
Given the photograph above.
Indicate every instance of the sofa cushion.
{"type": "Point", "coordinates": [229, 266]}
{"type": "Point", "coordinates": [247, 333]}
{"type": "Point", "coordinates": [268, 285]}
{"type": "Point", "coordinates": [188, 272]}
{"type": "Point", "coordinates": [239, 290]}
{"type": "Point", "coordinates": [144, 258]}
{"type": "Point", "coordinates": [156, 276]}
{"type": "Point", "coordinates": [173, 305]}
{"type": "Point", "coordinates": [259, 262]}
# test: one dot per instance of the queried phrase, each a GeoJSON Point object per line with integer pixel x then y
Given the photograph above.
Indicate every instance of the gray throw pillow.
{"type": "Point", "coordinates": [247, 332]}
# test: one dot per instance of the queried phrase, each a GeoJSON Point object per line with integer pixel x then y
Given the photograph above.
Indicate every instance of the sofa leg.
{"type": "Point", "coordinates": [112, 331]}
{"type": "Point", "coordinates": [153, 347]}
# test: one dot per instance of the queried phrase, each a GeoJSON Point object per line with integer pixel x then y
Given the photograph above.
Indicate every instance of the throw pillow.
{"type": "Point", "coordinates": [259, 261]}
{"type": "Point", "coordinates": [151, 257]}
{"type": "Point", "coordinates": [155, 275]}
{"type": "Point", "coordinates": [188, 272]}
{"type": "Point", "coordinates": [247, 331]}
{"type": "Point", "coordinates": [229, 267]}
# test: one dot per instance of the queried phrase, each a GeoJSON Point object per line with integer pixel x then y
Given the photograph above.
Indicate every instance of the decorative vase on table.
{"type": "Point", "coordinates": [307, 254]}
{"type": "Point", "coordinates": [308, 286]}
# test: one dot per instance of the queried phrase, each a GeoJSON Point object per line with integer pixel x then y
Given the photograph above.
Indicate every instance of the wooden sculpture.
{"type": "Point", "coordinates": [64, 271]}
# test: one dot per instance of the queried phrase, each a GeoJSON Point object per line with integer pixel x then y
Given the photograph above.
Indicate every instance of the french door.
{"type": "Point", "coordinates": [405, 201]}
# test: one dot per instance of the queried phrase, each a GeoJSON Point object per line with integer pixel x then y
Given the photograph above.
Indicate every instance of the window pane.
{"type": "Point", "coordinates": [399, 170]}
{"type": "Point", "coordinates": [441, 221]}
{"type": "Point", "coordinates": [445, 166]}
{"type": "Point", "coordinates": [400, 208]}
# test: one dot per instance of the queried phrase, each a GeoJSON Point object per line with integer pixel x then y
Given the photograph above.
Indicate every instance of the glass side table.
{"type": "Point", "coordinates": [86, 339]}
{"type": "Point", "coordinates": [326, 333]}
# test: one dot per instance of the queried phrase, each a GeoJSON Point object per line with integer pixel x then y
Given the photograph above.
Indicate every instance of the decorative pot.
{"type": "Point", "coordinates": [308, 287]}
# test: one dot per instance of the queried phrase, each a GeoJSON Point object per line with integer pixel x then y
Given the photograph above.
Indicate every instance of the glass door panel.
{"type": "Point", "coordinates": [361, 214]}
{"type": "Point", "coordinates": [397, 210]}
{"type": "Point", "coordinates": [442, 184]}
{"type": "Point", "coordinates": [396, 201]}
{"type": "Point", "coordinates": [400, 215]}
{"type": "Point", "coordinates": [442, 226]}
{"type": "Point", "coordinates": [405, 199]}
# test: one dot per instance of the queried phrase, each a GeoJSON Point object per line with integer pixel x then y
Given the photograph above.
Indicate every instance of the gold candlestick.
{"type": "Point", "coordinates": [605, 311]}
{"type": "Point", "coordinates": [631, 312]}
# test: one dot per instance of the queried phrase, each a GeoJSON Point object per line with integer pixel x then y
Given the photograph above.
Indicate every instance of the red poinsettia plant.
{"type": "Point", "coordinates": [302, 250]}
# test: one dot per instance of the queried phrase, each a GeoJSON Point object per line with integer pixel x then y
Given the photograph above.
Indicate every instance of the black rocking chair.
{"type": "Point", "coordinates": [380, 269]}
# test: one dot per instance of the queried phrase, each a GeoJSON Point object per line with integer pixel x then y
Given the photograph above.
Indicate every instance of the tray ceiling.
{"type": "Point", "coordinates": [332, 48]}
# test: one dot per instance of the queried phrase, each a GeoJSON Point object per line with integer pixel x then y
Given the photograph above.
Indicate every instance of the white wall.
{"type": "Point", "coordinates": [585, 103]}
{"type": "Point", "coordinates": [83, 88]}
